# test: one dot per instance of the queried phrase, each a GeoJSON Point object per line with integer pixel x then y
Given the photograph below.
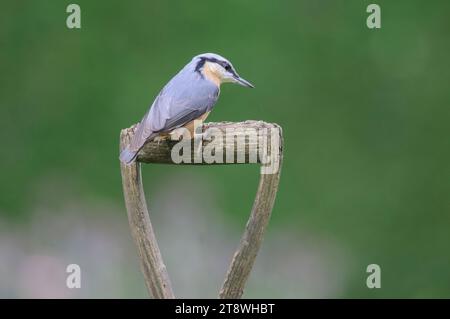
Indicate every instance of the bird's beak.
{"type": "Point", "coordinates": [243, 82]}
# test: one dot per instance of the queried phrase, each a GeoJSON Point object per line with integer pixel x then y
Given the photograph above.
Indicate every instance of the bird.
{"type": "Point", "coordinates": [190, 95]}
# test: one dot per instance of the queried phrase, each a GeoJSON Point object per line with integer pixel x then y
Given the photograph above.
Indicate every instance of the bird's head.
{"type": "Point", "coordinates": [218, 70]}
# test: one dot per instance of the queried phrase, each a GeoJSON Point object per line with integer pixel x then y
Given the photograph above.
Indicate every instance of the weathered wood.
{"type": "Point", "coordinates": [245, 255]}
{"type": "Point", "coordinates": [268, 141]}
{"type": "Point", "coordinates": [159, 151]}
{"type": "Point", "coordinates": [152, 265]}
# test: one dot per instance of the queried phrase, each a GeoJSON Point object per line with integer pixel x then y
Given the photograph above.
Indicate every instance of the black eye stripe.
{"type": "Point", "coordinates": [200, 65]}
{"type": "Point", "coordinates": [228, 67]}
{"type": "Point", "coordinates": [224, 64]}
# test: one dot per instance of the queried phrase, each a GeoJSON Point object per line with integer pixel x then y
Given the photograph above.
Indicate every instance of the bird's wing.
{"type": "Point", "coordinates": [184, 116]}
{"type": "Point", "coordinates": [181, 101]}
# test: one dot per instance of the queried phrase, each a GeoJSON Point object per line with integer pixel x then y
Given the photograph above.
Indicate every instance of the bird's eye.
{"type": "Point", "coordinates": [228, 67]}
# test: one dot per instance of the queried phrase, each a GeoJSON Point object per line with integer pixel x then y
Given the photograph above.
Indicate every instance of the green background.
{"type": "Point", "coordinates": [365, 115]}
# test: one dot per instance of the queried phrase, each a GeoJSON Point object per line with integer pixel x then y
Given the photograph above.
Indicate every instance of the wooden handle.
{"type": "Point", "coordinates": [247, 142]}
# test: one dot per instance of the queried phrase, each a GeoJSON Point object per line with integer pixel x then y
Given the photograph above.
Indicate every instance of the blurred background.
{"type": "Point", "coordinates": [365, 115]}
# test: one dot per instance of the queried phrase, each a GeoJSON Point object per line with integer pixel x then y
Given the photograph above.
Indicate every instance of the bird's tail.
{"type": "Point", "coordinates": [127, 156]}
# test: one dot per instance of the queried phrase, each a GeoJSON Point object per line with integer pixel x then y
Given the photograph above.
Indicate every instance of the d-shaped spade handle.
{"type": "Point", "coordinates": [216, 143]}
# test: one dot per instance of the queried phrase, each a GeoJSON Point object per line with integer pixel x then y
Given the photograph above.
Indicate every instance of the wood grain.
{"type": "Point", "coordinates": [269, 138]}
